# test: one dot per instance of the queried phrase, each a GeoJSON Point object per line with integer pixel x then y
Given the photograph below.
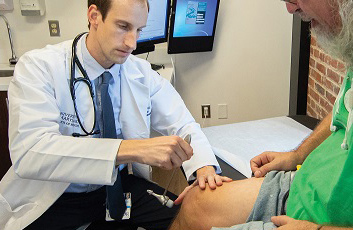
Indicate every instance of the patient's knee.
{"type": "Point", "coordinates": [196, 200]}
{"type": "Point", "coordinates": [225, 206]}
{"type": "Point", "coordinates": [188, 213]}
{"type": "Point", "coordinates": [199, 209]}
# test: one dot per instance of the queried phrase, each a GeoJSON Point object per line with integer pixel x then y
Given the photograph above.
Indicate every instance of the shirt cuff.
{"type": "Point", "coordinates": [216, 169]}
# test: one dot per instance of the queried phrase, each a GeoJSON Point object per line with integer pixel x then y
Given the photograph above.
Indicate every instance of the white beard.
{"type": "Point", "coordinates": [338, 44]}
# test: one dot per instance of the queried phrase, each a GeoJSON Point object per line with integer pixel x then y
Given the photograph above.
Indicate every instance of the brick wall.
{"type": "Point", "coordinates": [325, 78]}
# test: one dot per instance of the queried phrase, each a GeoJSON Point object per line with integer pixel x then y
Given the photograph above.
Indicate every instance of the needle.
{"type": "Point", "coordinates": [170, 180]}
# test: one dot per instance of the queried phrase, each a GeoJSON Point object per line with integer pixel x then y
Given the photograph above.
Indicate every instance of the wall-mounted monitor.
{"type": "Point", "coordinates": [156, 30]}
{"type": "Point", "coordinates": [192, 26]}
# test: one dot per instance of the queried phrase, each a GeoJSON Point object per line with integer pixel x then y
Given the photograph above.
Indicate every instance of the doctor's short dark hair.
{"type": "Point", "coordinates": [104, 6]}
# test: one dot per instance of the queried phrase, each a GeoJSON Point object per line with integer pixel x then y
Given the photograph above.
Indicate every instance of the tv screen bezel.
{"type": "Point", "coordinates": [190, 44]}
{"type": "Point", "coordinates": [148, 46]}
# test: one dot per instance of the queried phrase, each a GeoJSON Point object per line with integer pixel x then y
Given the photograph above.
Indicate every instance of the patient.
{"type": "Point", "coordinates": [319, 194]}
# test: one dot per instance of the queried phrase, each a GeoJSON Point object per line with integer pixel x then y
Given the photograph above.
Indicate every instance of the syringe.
{"type": "Point", "coordinates": [164, 199]}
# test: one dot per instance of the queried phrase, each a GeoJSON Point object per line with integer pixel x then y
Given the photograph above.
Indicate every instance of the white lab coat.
{"type": "Point", "coordinates": [46, 158]}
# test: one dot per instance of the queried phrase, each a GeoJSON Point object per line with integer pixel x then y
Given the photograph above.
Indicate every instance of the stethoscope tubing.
{"type": "Point", "coordinates": [73, 80]}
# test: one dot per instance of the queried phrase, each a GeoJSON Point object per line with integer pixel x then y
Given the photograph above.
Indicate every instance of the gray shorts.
{"type": "Point", "coordinates": [271, 201]}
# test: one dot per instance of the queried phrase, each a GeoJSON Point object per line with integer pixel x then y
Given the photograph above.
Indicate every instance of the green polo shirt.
{"type": "Point", "coordinates": [322, 190]}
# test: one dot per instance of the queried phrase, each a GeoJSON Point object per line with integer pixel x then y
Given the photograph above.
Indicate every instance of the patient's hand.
{"type": "Point", "coordinates": [205, 175]}
{"type": "Point", "coordinates": [287, 223]}
{"type": "Point", "coordinates": [268, 161]}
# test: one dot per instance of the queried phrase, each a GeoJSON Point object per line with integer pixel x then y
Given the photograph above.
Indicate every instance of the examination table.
{"type": "Point", "coordinates": [229, 171]}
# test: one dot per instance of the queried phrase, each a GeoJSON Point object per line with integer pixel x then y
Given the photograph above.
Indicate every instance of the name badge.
{"type": "Point", "coordinates": [127, 213]}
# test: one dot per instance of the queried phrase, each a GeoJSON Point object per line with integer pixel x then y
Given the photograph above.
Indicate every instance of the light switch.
{"type": "Point", "coordinates": [222, 111]}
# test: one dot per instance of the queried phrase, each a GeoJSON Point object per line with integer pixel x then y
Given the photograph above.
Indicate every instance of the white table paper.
{"type": "Point", "coordinates": [238, 143]}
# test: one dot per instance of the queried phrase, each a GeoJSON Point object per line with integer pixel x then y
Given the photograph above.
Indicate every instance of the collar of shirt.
{"type": "Point", "coordinates": [92, 67]}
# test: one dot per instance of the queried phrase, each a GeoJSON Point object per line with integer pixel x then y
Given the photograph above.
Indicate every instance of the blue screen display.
{"type": "Point", "coordinates": [156, 26]}
{"type": "Point", "coordinates": [194, 18]}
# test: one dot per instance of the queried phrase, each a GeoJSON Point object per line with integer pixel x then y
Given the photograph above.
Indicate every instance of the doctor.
{"type": "Point", "coordinates": [57, 180]}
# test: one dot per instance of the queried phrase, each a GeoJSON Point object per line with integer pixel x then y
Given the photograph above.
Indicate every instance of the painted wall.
{"type": "Point", "coordinates": [248, 69]}
{"type": "Point", "coordinates": [33, 32]}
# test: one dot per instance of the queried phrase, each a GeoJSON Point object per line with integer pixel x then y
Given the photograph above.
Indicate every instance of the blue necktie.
{"type": "Point", "coordinates": [115, 196]}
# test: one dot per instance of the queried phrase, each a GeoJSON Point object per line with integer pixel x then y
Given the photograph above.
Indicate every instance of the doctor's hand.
{"type": "Point", "coordinates": [268, 161]}
{"type": "Point", "coordinates": [206, 174]}
{"type": "Point", "coordinates": [287, 223]}
{"type": "Point", "coordinates": [166, 152]}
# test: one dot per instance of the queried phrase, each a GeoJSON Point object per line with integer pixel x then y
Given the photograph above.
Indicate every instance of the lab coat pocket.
{"type": "Point", "coordinates": [6, 212]}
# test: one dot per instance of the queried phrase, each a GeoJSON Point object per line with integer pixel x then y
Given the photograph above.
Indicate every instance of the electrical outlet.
{"type": "Point", "coordinates": [206, 111]}
{"type": "Point", "coordinates": [54, 28]}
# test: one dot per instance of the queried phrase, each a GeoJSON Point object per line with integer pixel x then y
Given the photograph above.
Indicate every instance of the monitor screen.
{"type": "Point", "coordinates": [193, 25]}
{"type": "Point", "coordinates": [156, 30]}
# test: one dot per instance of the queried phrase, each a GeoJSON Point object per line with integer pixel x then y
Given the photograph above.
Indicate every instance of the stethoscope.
{"type": "Point", "coordinates": [73, 81]}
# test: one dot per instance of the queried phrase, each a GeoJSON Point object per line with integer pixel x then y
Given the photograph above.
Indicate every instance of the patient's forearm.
{"type": "Point", "coordinates": [320, 133]}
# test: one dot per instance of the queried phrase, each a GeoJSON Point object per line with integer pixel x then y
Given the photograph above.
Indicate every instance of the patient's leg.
{"type": "Point", "coordinates": [225, 206]}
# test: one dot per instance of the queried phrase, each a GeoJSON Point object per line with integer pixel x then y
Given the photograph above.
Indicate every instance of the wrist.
{"type": "Point", "coordinates": [126, 153]}
{"type": "Point", "coordinates": [299, 157]}
{"type": "Point", "coordinates": [195, 173]}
